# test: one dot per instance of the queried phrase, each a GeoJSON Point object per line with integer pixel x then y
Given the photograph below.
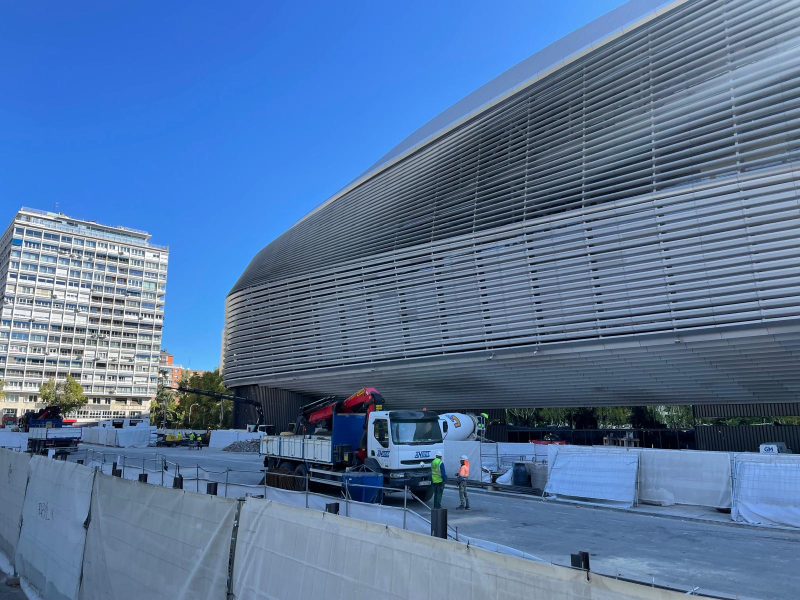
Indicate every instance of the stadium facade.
{"type": "Point", "coordinates": [615, 220]}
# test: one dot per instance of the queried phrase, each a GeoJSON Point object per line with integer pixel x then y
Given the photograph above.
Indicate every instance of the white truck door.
{"type": "Point", "coordinates": [378, 442]}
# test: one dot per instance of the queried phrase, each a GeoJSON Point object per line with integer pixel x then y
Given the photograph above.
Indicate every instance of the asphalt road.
{"type": "Point", "coordinates": [718, 557]}
{"type": "Point", "coordinates": [739, 561]}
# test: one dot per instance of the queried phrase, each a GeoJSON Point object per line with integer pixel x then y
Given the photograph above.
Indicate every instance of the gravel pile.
{"type": "Point", "coordinates": [244, 446]}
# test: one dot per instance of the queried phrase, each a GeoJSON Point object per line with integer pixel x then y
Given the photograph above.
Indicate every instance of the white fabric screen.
{"type": "Point", "coordinates": [685, 477]}
{"type": "Point", "coordinates": [13, 439]}
{"type": "Point", "coordinates": [14, 477]}
{"type": "Point", "coordinates": [133, 437]}
{"type": "Point", "coordinates": [145, 541]}
{"type": "Point", "coordinates": [452, 458]}
{"type": "Point", "coordinates": [52, 540]}
{"type": "Point", "coordinates": [224, 437]}
{"type": "Point", "coordinates": [593, 476]}
{"type": "Point", "coordinates": [767, 489]}
{"type": "Point", "coordinates": [285, 552]}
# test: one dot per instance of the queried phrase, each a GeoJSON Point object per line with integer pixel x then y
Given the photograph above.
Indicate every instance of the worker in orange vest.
{"type": "Point", "coordinates": [463, 475]}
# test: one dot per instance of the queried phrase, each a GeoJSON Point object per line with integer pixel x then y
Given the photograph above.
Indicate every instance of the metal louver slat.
{"type": "Point", "coordinates": [625, 228]}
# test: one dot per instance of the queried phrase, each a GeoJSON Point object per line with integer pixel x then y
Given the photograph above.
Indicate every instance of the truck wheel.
{"type": "Point", "coordinates": [300, 480]}
{"type": "Point", "coordinates": [424, 494]}
{"type": "Point", "coordinates": [286, 466]}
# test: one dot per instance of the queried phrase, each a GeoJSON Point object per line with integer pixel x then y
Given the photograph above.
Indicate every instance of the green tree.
{"type": "Point", "coordinates": [201, 412]}
{"type": "Point", "coordinates": [68, 396]}
{"type": "Point", "coordinates": [165, 410]}
{"type": "Point", "coordinates": [613, 416]}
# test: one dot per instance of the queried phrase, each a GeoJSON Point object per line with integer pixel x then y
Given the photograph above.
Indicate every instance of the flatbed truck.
{"type": "Point", "coordinates": [334, 437]}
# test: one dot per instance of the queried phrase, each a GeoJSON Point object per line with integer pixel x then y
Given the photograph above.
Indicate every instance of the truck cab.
{"type": "Point", "coordinates": [402, 445]}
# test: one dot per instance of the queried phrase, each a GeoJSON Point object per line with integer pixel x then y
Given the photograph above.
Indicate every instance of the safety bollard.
{"type": "Point", "coordinates": [580, 560]}
{"type": "Point", "coordinates": [211, 488]}
{"type": "Point", "coordinates": [143, 477]}
{"type": "Point", "coordinates": [439, 523]}
{"type": "Point", "coordinates": [79, 461]}
{"type": "Point", "coordinates": [177, 482]}
{"type": "Point", "coordinates": [332, 507]}
{"type": "Point", "coordinates": [116, 472]}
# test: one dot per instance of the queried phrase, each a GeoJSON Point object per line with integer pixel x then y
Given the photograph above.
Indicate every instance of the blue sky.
{"type": "Point", "coordinates": [217, 125]}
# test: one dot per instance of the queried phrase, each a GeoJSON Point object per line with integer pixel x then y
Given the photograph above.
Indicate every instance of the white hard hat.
{"type": "Point", "coordinates": [438, 453]}
{"type": "Point", "coordinates": [464, 457]}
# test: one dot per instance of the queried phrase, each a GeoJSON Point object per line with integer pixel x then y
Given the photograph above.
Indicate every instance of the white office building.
{"type": "Point", "coordinates": [85, 300]}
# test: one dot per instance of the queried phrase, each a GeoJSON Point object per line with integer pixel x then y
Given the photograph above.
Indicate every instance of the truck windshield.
{"type": "Point", "coordinates": [416, 432]}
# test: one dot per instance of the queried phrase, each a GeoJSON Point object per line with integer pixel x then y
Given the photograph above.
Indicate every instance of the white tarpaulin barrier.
{"type": "Point", "coordinates": [452, 454]}
{"type": "Point", "coordinates": [516, 452]}
{"type": "Point", "coordinates": [669, 477]}
{"type": "Point", "coordinates": [767, 489]}
{"type": "Point", "coordinates": [145, 541]}
{"type": "Point", "coordinates": [385, 515]}
{"type": "Point", "coordinates": [501, 456]}
{"type": "Point", "coordinates": [14, 479]}
{"type": "Point", "coordinates": [315, 501]}
{"type": "Point", "coordinates": [51, 543]}
{"type": "Point", "coordinates": [699, 478]}
{"type": "Point", "coordinates": [593, 476]}
{"type": "Point", "coordinates": [133, 437]}
{"type": "Point", "coordinates": [13, 439]}
{"type": "Point", "coordinates": [107, 436]}
{"type": "Point", "coordinates": [375, 513]}
{"type": "Point", "coordinates": [90, 435]}
{"type": "Point", "coordinates": [224, 437]}
{"type": "Point", "coordinates": [127, 437]}
{"type": "Point", "coordinates": [285, 552]}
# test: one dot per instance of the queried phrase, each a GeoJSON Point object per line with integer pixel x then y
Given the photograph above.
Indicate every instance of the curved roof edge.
{"type": "Point", "coordinates": [563, 51]}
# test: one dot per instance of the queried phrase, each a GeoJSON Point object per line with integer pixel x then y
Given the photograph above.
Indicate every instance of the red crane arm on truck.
{"type": "Point", "coordinates": [364, 399]}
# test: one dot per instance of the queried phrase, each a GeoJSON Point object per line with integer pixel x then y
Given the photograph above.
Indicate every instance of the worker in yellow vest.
{"type": "Point", "coordinates": [463, 475]}
{"type": "Point", "coordinates": [438, 479]}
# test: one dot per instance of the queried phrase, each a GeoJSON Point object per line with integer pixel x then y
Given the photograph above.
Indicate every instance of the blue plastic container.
{"type": "Point", "coordinates": [519, 476]}
{"type": "Point", "coordinates": [356, 481]}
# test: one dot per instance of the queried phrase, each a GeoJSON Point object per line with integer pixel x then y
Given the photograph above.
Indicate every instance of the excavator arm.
{"type": "Point", "coordinates": [216, 396]}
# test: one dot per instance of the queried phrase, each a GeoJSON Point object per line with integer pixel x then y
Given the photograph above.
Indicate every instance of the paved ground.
{"type": "Point", "coordinates": [10, 592]}
{"type": "Point", "coordinates": [718, 556]}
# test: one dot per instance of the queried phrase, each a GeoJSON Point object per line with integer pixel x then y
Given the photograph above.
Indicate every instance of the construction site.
{"type": "Point", "coordinates": [265, 513]}
{"type": "Point", "coordinates": [610, 226]}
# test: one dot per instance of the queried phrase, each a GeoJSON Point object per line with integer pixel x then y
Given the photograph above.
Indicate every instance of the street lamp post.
{"type": "Point", "coordinates": [190, 413]}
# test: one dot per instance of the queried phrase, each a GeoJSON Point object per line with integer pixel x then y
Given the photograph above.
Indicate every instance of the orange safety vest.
{"type": "Point", "coordinates": [464, 470]}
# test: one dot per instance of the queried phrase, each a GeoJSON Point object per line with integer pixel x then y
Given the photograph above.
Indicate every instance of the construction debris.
{"type": "Point", "coordinates": [243, 446]}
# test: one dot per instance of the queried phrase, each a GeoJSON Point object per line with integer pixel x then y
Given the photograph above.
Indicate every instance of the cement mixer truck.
{"type": "Point", "coordinates": [460, 427]}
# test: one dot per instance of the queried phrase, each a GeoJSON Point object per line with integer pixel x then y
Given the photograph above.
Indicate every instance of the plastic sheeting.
{"type": "Point", "coordinates": [133, 437]}
{"type": "Point", "coordinates": [13, 439]}
{"type": "Point", "coordinates": [669, 477]}
{"type": "Point", "coordinates": [285, 552]}
{"type": "Point", "coordinates": [452, 458]}
{"type": "Point", "coordinates": [52, 540]}
{"type": "Point", "coordinates": [14, 476]}
{"type": "Point", "coordinates": [698, 478]}
{"type": "Point", "coordinates": [767, 489]}
{"type": "Point", "coordinates": [103, 436]}
{"type": "Point", "coordinates": [145, 541]}
{"type": "Point", "coordinates": [593, 476]}
{"type": "Point", "coordinates": [224, 437]}
{"type": "Point", "coordinates": [127, 437]}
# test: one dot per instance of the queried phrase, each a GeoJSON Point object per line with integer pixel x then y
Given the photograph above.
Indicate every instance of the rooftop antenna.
{"type": "Point", "coordinates": [55, 206]}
